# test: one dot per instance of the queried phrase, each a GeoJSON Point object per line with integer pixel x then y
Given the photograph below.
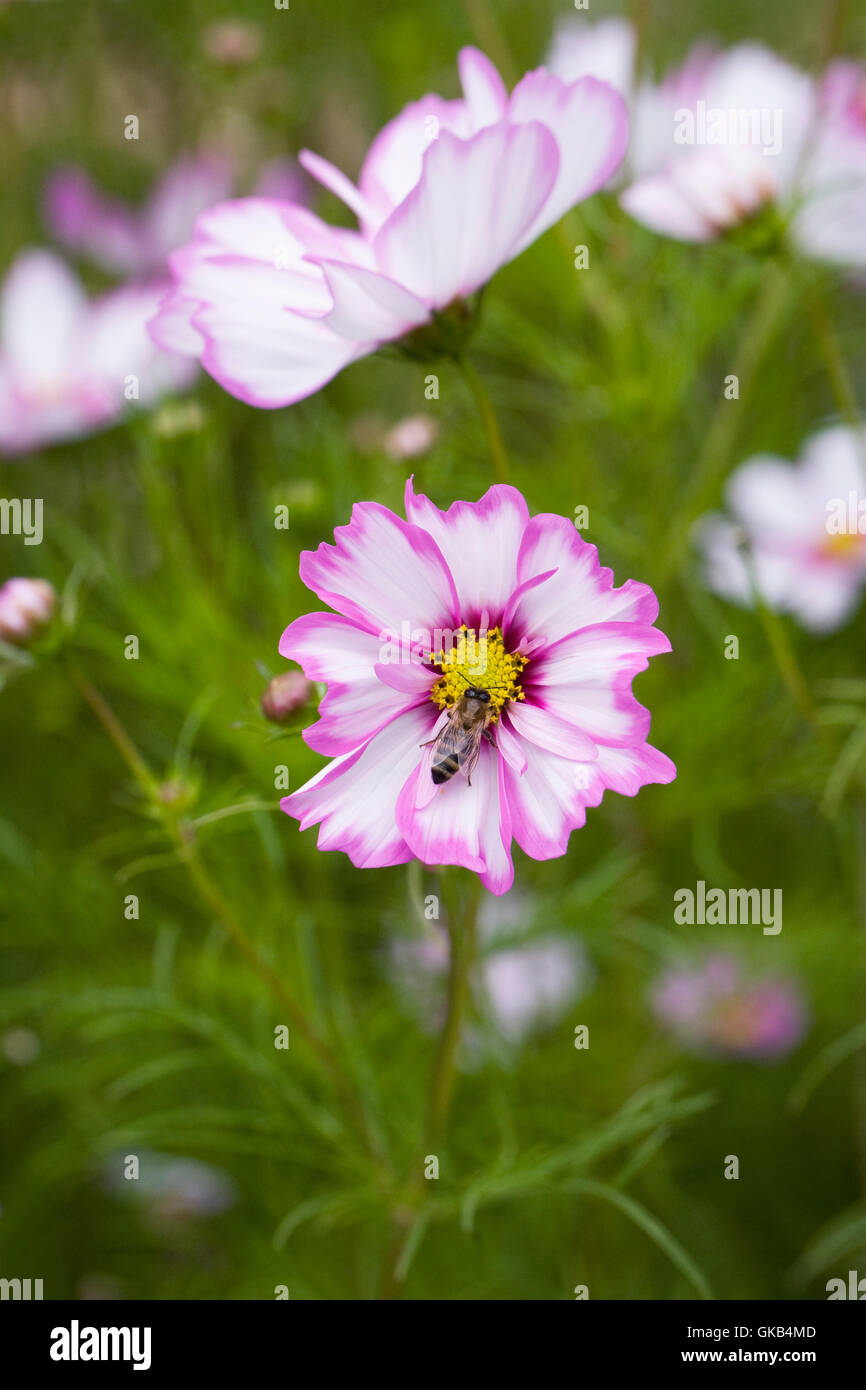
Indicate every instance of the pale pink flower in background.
{"type": "Point", "coordinates": [796, 529]}
{"type": "Point", "coordinates": [66, 362]}
{"type": "Point", "coordinates": [830, 224]}
{"type": "Point", "coordinates": [698, 190]}
{"type": "Point", "coordinates": [522, 985]}
{"type": "Point", "coordinates": [136, 241]}
{"type": "Point", "coordinates": [275, 302]}
{"type": "Point", "coordinates": [714, 1007]}
{"type": "Point", "coordinates": [556, 648]}
{"type": "Point", "coordinates": [411, 437]}
{"type": "Point", "coordinates": [26, 606]}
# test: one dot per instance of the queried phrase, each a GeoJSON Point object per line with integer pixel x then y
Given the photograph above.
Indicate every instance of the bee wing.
{"type": "Point", "coordinates": [451, 737]}
{"type": "Point", "coordinates": [471, 749]}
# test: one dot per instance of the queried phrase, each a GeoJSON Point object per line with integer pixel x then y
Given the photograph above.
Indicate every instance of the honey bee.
{"type": "Point", "coordinates": [458, 744]}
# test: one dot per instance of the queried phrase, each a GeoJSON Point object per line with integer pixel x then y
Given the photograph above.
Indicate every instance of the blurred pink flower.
{"type": "Point", "coordinates": [713, 1007]}
{"type": "Point", "coordinates": [698, 174]}
{"type": "Point", "coordinates": [411, 437]}
{"type": "Point", "coordinates": [125, 240]}
{"type": "Point", "coordinates": [26, 606]}
{"type": "Point", "coordinates": [481, 595]}
{"type": "Point", "coordinates": [275, 302]}
{"type": "Point", "coordinates": [732, 132]}
{"type": "Point", "coordinates": [801, 526]}
{"type": "Point", "coordinates": [522, 986]}
{"type": "Point", "coordinates": [68, 364]}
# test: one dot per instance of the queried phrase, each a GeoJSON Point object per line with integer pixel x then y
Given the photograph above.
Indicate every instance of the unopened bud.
{"type": "Point", "coordinates": [284, 694]}
{"type": "Point", "coordinates": [26, 606]}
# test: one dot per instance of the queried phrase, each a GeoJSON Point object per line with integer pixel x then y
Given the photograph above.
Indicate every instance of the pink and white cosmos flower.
{"type": "Point", "coordinates": [721, 138]}
{"type": "Point", "coordinates": [802, 525]}
{"type": "Point", "coordinates": [130, 241]}
{"type": "Point", "coordinates": [549, 629]}
{"type": "Point", "coordinates": [766, 135]}
{"type": "Point", "coordinates": [66, 362]}
{"type": "Point", "coordinates": [275, 302]}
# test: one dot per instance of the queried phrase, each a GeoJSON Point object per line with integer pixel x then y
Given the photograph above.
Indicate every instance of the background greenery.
{"type": "Point", "coordinates": [560, 1167]}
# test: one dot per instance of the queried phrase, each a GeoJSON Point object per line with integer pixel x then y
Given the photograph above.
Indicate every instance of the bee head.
{"type": "Point", "coordinates": [473, 692]}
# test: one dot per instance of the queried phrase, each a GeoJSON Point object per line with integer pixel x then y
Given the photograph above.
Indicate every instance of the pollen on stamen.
{"type": "Point", "coordinates": [479, 660]}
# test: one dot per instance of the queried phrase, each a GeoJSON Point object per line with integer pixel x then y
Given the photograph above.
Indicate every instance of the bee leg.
{"type": "Point", "coordinates": [427, 744]}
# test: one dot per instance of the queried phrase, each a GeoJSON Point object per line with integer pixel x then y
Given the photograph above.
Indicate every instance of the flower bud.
{"type": "Point", "coordinates": [26, 606]}
{"type": "Point", "coordinates": [284, 694]}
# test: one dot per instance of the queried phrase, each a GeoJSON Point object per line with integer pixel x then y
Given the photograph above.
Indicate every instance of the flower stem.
{"type": "Point", "coordinates": [834, 361]}
{"type": "Point", "coordinates": [462, 935]}
{"type": "Point", "coordinates": [462, 931]}
{"type": "Point", "coordinates": [784, 656]}
{"type": "Point", "coordinates": [488, 419]}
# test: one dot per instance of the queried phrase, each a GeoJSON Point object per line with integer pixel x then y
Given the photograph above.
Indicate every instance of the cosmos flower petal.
{"type": "Point", "coordinates": [41, 310]}
{"type": "Point", "coordinates": [546, 801]}
{"type": "Point", "coordinates": [585, 679]}
{"type": "Point", "coordinates": [586, 160]}
{"type": "Point", "coordinates": [373, 778]}
{"type": "Point", "coordinates": [259, 350]}
{"type": "Point", "coordinates": [479, 541]}
{"type": "Point", "coordinates": [484, 91]}
{"type": "Point", "coordinates": [624, 770]}
{"type": "Point", "coordinates": [382, 572]}
{"type": "Point", "coordinates": [539, 725]}
{"type": "Point", "coordinates": [463, 824]}
{"type": "Point", "coordinates": [580, 593]}
{"type": "Point", "coordinates": [662, 205]}
{"type": "Point", "coordinates": [368, 306]}
{"type": "Point", "coordinates": [358, 704]}
{"type": "Point", "coordinates": [469, 211]}
{"type": "Point", "coordinates": [191, 186]}
{"type": "Point", "coordinates": [394, 160]}
{"type": "Point", "coordinates": [89, 224]}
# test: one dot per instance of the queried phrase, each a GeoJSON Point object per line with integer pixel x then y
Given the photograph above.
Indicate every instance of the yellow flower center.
{"type": "Point", "coordinates": [477, 660]}
{"type": "Point", "coordinates": [843, 546]}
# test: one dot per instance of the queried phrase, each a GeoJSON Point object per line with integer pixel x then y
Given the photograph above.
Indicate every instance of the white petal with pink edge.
{"type": "Point", "coordinates": [383, 573]}
{"type": "Point", "coordinates": [579, 594]}
{"type": "Point", "coordinates": [586, 678]}
{"type": "Point", "coordinates": [463, 823]}
{"type": "Point", "coordinates": [480, 541]}
{"type": "Point", "coordinates": [354, 799]}
{"type": "Point", "coordinates": [468, 214]}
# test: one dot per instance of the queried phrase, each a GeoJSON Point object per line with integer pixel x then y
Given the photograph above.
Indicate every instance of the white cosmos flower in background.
{"type": "Point", "coordinates": [70, 365]}
{"type": "Point", "coordinates": [799, 146]}
{"type": "Point", "coordinates": [799, 524]}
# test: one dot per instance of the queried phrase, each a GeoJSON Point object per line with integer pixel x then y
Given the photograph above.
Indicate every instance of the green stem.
{"type": "Point", "coordinates": [784, 656]}
{"type": "Point", "coordinates": [412, 1218]}
{"type": "Point", "coordinates": [462, 930]}
{"type": "Point", "coordinates": [836, 367]}
{"type": "Point", "coordinates": [488, 419]}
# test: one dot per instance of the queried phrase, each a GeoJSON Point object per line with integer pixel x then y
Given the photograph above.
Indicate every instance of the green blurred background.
{"type": "Point", "coordinates": [153, 1036]}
